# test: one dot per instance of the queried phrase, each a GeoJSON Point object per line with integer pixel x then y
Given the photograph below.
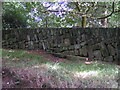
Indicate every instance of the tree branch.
{"type": "Point", "coordinates": [77, 6]}
{"type": "Point", "coordinates": [117, 11]}
{"type": "Point", "coordinates": [109, 14]}
{"type": "Point", "coordinates": [83, 13]}
{"type": "Point", "coordinates": [80, 13]}
{"type": "Point", "coordinates": [90, 7]}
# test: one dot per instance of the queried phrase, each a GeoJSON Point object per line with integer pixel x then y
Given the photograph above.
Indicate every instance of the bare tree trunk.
{"type": "Point", "coordinates": [104, 21]}
{"type": "Point", "coordinates": [83, 21]}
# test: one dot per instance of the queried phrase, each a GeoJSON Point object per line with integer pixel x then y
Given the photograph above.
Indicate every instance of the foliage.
{"type": "Point", "coordinates": [13, 16]}
{"type": "Point", "coordinates": [58, 14]}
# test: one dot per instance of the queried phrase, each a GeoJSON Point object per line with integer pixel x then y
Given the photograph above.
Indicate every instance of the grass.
{"type": "Point", "coordinates": [22, 58]}
{"type": "Point", "coordinates": [67, 74]}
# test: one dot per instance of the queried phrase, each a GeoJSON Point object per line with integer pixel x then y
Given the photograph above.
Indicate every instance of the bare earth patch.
{"type": "Point", "coordinates": [48, 56]}
{"type": "Point", "coordinates": [39, 76]}
{"type": "Point", "coordinates": [57, 59]}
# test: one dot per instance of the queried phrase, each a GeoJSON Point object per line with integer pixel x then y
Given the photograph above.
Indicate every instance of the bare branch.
{"type": "Point", "coordinates": [109, 14]}
{"type": "Point", "coordinates": [77, 6]}
{"type": "Point", "coordinates": [80, 13]}
{"type": "Point", "coordinates": [117, 11]}
{"type": "Point", "coordinates": [90, 7]}
{"type": "Point", "coordinates": [83, 13]}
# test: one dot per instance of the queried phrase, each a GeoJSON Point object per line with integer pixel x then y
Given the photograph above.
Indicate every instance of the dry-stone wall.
{"type": "Point", "coordinates": [99, 43]}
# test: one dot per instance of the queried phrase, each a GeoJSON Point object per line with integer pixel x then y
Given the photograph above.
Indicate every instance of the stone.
{"type": "Point", "coordinates": [104, 50]}
{"type": "Point", "coordinates": [60, 55]}
{"type": "Point", "coordinates": [71, 47]}
{"type": "Point", "coordinates": [67, 53]}
{"type": "Point", "coordinates": [101, 43]}
{"type": "Point", "coordinates": [71, 52]}
{"type": "Point", "coordinates": [30, 45]}
{"type": "Point", "coordinates": [109, 58]}
{"type": "Point", "coordinates": [83, 43]}
{"type": "Point", "coordinates": [76, 52]}
{"type": "Point", "coordinates": [67, 41]}
{"type": "Point", "coordinates": [72, 57]}
{"type": "Point", "coordinates": [96, 46]}
{"type": "Point", "coordinates": [77, 46]}
{"type": "Point", "coordinates": [62, 48]}
{"type": "Point", "coordinates": [57, 50]}
{"type": "Point", "coordinates": [83, 37]}
{"type": "Point", "coordinates": [97, 54]}
{"type": "Point", "coordinates": [83, 51]}
{"type": "Point", "coordinates": [28, 37]}
{"type": "Point", "coordinates": [111, 50]}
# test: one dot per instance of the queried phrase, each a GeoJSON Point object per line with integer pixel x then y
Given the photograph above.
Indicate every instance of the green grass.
{"type": "Point", "coordinates": [21, 58]}
{"type": "Point", "coordinates": [69, 71]}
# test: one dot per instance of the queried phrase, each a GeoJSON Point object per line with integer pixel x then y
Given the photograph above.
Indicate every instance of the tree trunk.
{"type": "Point", "coordinates": [104, 21]}
{"type": "Point", "coordinates": [83, 21]}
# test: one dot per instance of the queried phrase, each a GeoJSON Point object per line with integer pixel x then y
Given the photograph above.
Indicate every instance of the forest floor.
{"type": "Point", "coordinates": [37, 69]}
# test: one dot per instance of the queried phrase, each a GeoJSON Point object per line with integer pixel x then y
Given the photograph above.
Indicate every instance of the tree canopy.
{"type": "Point", "coordinates": [60, 14]}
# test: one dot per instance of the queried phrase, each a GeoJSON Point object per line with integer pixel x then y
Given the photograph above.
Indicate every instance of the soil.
{"type": "Point", "coordinates": [48, 56]}
{"type": "Point", "coordinates": [26, 78]}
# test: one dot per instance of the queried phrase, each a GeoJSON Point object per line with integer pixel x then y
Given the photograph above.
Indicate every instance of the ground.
{"type": "Point", "coordinates": [38, 69]}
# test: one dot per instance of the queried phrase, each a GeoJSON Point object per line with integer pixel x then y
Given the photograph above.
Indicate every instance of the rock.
{"type": "Point", "coordinates": [77, 46]}
{"type": "Point", "coordinates": [111, 50]}
{"type": "Point", "coordinates": [63, 48]}
{"type": "Point", "coordinates": [67, 41]}
{"type": "Point", "coordinates": [71, 47]}
{"type": "Point", "coordinates": [28, 37]}
{"type": "Point", "coordinates": [76, 52]}
{"type": "Point", "coordinates": [67, 53]}
{"type": "Point", "coordinates": [97, 54]}
{"type": "Point", "coordinates": [83, 37]}
{"type": "Point", "coordinates": [72, 57]}
{"type": "Point", "coordinates": [87, 63]}
{"type": "Point", "coordinates": [104, 50]}
{"type": "Point", "coordinates": [109, 58]}
{"type": "Point", "coordinates": [96, 47]}
{"type": "Point", "coordinates": [82, 43]}
{"type": "Point", "coordinates": [83, 51]}
{"type": "Point", "coordinates": [71, 52]}
{"type": "Point", "coordinates": [60, 55]}
{"type": "Point", "coordinates": [57, 50]}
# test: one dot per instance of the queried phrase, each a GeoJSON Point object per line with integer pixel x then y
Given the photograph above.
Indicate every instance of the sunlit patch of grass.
{"type": "Point", "coordinates": [53, 66]}
{"type": "Point", "coordinates": [99, 67]}
{"type": "Point", "coordinates": [85, 74]}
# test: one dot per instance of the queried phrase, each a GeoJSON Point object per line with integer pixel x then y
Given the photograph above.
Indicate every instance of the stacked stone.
{"type": "Point", "coordinates": [98, 44]}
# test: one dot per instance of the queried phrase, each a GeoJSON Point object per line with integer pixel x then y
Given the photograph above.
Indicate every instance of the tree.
{"type": "Point", "coordinates": [13, 16]}
{"type": "Point", "coordinates": [60, 14]}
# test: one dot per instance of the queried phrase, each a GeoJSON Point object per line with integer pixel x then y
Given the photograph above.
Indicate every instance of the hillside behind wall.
{"type": "Point", "coordinates": [99, 43]}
